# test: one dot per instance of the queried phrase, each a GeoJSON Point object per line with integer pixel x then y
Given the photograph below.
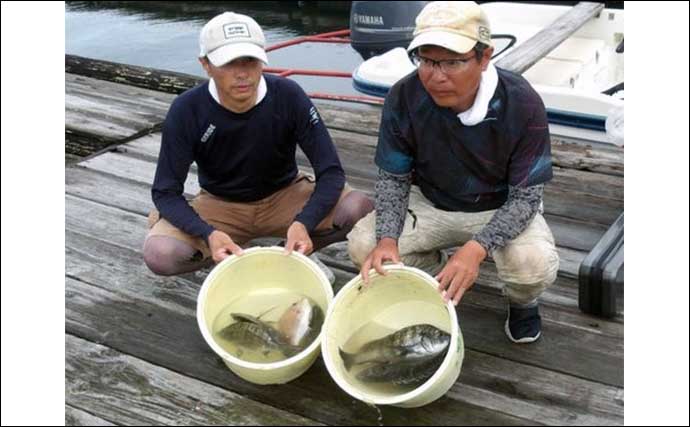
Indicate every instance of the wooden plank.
{"type": "Point", "coordinates": [570, 231]}
{"type": "Point", "coordinates": [129, 230]}
{"type": "Point", "coordinates": [593, 356]}
{"type": "Point", "coordinates": [536, 386]}
{"type": "Point", "coordinates": [131, 75]}
{"type": "Point", "coordinates": [77, 417]}
{"type": "Point", "coordinates": [133, 198]}
{"type": "Point", "coordinates": [130, 191]}
{"type": "Point", "coordinates": [513, 375]}
{"type": "Point", "coordinates": [587, 389]}
{"type": "Point", "coordinates": [148, 331]}
{"type": "Point", "coordinates": [337, 117]}
{"type": "Point", "coordinates": [132, 391]}
{"type": "Point", "coordinates": [605, 159]}
{"type": "Point", "coordinates": [526, 54]}
{"type": "Point", "coordinates": [100, 113]}
{"type": "Point", "coordinates": [587, 156]}
{"type": "Point", "coordinates": [364, 121]}
{"type": "Point", "coordinates": [561, 297]}
{"type": "Point", "coordinates": [572, 194]}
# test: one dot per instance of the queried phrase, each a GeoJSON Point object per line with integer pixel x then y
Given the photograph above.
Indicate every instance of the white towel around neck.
{"type": "Point", "coordinates": [487, 88]}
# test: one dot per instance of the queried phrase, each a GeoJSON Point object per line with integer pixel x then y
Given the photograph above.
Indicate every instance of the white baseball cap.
{"type": "Point", "coordinates": [229, 36]}
{"type": "Point", "coordinates": [454, 25]}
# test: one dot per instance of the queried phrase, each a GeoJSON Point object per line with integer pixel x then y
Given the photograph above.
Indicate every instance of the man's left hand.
{"type": "Point", "coordinates": [461, 271]}
{"type": "Point", "coordinates": [298, 239]}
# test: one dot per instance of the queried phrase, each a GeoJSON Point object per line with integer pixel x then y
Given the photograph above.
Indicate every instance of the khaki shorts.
{"type": "Point", "coordinates": [269, 217]}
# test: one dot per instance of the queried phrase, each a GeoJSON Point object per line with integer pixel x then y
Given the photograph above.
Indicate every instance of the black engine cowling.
{"type": "Point", "coordinates": [378, 26]}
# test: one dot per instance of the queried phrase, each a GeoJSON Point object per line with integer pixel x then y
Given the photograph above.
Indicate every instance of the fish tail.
{"type": "Point", "coordinates": [348, 358]}
{"type": "Point", "coordinates": [291, 350]}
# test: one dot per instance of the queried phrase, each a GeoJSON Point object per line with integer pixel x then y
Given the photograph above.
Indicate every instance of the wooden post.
{"type": "Point", "coordinates": [528, 53]}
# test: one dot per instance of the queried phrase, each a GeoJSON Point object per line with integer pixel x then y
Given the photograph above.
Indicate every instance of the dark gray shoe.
{"type": "Point", "coordinates": [523, 325]}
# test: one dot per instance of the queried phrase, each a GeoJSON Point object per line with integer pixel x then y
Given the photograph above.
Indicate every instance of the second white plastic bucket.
{"type": "Point", "coordinates": [405, 296]}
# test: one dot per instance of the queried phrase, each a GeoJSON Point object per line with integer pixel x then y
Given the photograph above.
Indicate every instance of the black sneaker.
{"type": "Point", "coordinates": [523, 325]}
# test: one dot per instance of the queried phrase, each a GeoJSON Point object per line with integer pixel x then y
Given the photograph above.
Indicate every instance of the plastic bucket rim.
{"type": "Point", "coordinates": [422, 388]}
{"type": "Point", "coordinates": [201, 303]}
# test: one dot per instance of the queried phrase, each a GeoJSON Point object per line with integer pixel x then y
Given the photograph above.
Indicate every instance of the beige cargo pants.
{"type": "Point", "coordinates": [528, 264]}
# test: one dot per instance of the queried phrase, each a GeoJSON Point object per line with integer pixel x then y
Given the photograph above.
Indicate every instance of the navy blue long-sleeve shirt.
{"type": "Point", "coordinates": [244, 157]}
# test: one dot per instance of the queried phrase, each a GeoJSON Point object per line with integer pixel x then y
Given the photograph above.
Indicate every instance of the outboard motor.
{"type": "Point", "coordinates": [379, 26]}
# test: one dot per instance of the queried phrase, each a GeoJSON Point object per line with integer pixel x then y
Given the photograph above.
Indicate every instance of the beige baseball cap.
{"type": "Point", "coordinates": [454, 25]}
{"type": "Point", "coordinates": [229, 36]}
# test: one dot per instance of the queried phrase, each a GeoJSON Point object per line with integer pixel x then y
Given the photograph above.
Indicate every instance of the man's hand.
{"type": "Point", "coordinates": [386, 250]}
{"type": "Point", "coordinates": [298, 239]}
{"type": "Point", "coordinates": [461, 271]}
{"type": "Point", "coordinates": [222, 246]}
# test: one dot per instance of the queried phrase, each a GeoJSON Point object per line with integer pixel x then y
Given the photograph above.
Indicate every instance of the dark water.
{"type": "Point", "coordinates": [165, 35]}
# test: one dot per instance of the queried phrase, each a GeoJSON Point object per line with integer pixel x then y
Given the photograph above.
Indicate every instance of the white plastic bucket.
{"type": "Point", "coordinates": [256, 270]}
{"type": "Point", "coordinates": [404, 296]}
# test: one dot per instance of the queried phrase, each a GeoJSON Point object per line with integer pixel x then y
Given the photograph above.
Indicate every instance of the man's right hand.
{"type": "Point", "coordinates": [222, 246]}
{"type": "Point", "coordinates": [386, 250]}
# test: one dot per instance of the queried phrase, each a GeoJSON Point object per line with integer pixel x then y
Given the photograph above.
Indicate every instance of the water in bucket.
{"type": "Point", "coordinates": [277, 324]}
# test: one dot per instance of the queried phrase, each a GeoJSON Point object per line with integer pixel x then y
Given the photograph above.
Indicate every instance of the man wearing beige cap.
{"type": "Point", "coordinates": [463, 155]}
{"type": "Point", "coordinates": [242, 129]}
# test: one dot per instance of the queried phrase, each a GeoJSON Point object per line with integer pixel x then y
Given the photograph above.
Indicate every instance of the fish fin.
{"type": "Point", "coordinates": [266, 312]}
{"type": "Point", "coordinates": [241, 317]}
{"type": "Point", "coordinates": [348, 358]}
{"type": "Point", "coordinates": [291, 350]}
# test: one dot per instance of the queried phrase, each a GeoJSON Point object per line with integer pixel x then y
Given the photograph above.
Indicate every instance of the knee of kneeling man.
{"type": "Point", "coordinates": [358, 247]}
{"type": "Point", "coordinates": [157, 264]}
{"type": "Point", "coordinates": [354, 206]}
{"type": "Point", "coordinates": [536, 266]}
{"type": "Point", "coordinates": [159, 258]}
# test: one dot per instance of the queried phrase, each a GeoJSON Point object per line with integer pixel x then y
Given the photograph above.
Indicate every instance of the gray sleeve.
{"type": "Point", "coordinates": [512, 218]}
{"type": "Point", "coordinates": [392, 197]}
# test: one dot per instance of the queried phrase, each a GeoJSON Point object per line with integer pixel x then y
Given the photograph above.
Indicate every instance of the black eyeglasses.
{"type": "Point", "coordinates": [447, 66]}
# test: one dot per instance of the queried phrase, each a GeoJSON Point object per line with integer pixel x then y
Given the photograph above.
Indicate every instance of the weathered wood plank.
{"type": "Point", "coordinates": [154, 319]}
{"type": "Point", "coordinates": [132, 391]}
{"type": "Point", "coordinates": [600, 158]}
{"type": "Point", "coordinates": [569, 233]}
{"type": "Point", "coordinates": [365, 121]}
{"type": "Point", "coordinates": [561, 297]}
{"type": "Point", "coordinates": [573, 194]}
{"type": "Point", "coordinates": [135, 197]}
{"type": "Point", "coordinates": [111, 110]}
{"type": "Point", "coordinates": [170, 338]}
{"type": "Point", "coordinates": [132, 198]}
{"type": "Point", "coordinates": [340, 117]}
{"type": "Point", "coordinates": [77, 417]}
{"type": "Point", "coordinates": [129, 230]}
{"type": "Point", "coordinates": [524, 380]}
{"type": "Point", "coordinates": [593, 356]}
{"type": "Point", "coordinates": [131, 75]}
{"type": "Point", "coordinates": [130, 194]}
{"type": "Point", "coordinates": [538, 46]}
{"type": "Point", "coordinates": [536, 386]}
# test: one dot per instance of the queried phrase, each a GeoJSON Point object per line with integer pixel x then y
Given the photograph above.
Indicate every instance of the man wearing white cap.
{"type": "Point", "coordinates": [463, 155]}
{"type": "Point", "coordinates": [242, 129]}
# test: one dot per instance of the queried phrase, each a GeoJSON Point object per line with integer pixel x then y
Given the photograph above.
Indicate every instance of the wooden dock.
{"type": "Point", "coordinates": [134, 353]}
